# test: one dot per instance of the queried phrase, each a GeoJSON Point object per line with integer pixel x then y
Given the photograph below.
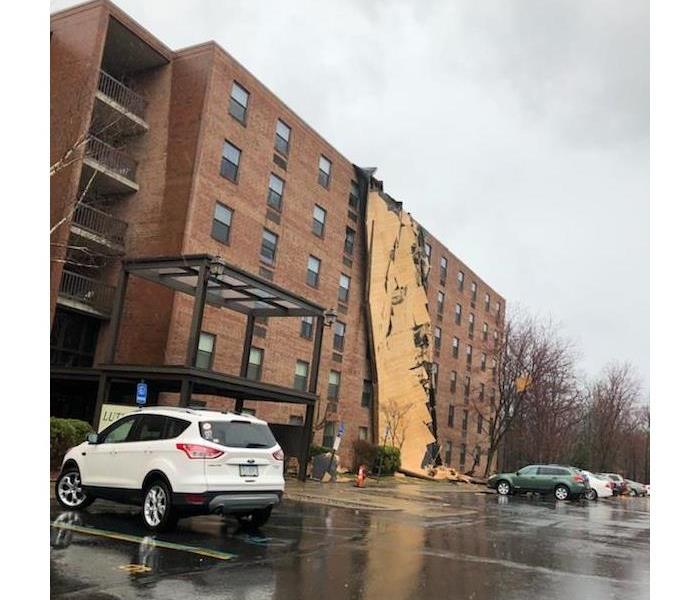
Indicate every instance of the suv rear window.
{"type": "Point", "coordinates": [237, 434]}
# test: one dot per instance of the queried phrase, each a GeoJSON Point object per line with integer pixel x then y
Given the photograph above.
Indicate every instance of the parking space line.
{"type": "Point", "coordinates": [125, 537]}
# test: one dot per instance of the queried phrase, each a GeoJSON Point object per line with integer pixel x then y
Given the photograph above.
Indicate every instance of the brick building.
{"type": "Point", "coordinates": [162, 153]}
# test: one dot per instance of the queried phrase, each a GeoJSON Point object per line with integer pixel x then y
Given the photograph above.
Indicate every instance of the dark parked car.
{"type": "Point", "coordinates": [564, 482]}
{"type": "Point", "coordinates": [635, 488]}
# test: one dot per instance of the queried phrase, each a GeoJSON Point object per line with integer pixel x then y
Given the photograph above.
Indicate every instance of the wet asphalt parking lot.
{"type": "Point", "coordinates": [480, 546]}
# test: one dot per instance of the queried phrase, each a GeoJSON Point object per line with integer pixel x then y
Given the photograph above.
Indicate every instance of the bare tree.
{"type": "Point", "coordinates": [537, 389]}
{"type": "Point", "coordinates": [395, 419]}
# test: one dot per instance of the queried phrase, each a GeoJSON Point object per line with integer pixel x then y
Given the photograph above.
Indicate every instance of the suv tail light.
{"type": "Point", "coordinates": [578, 478]}
{"type": "Point", "coordinates": [199, 451]}
{"type": "Point", "coordinates": [278, 454]}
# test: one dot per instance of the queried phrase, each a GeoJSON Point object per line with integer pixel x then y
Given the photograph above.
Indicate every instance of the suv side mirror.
{"type": "Point", "coordinates": [517, 473]}
{"type": "Point", "coordinates": [92, 438]}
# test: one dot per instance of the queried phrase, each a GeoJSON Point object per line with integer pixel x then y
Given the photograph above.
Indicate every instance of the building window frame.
{"type": "Point", "coordinates": [318, 221]}
{"type": "Point", "coordinates": [324, 177]}
{"type": "Point", "coordinates": [230, 162]}
{"type": "Point", "coordinates": [301, 375]}
{"type": "Point", "coordinates": [220, 230]}
{"type": "Point", "coordinates": [205, 358]}
{"type": "Point", "coordinates": [282, 143]}
{"type": "Point", "coordinates": [313, 276]}
{"type": "Point", "coordinates": [275, 196]}
{"type": "Point", "coordinates": [268, 249]}
{"type": "Point", "coordinates": [235, 104]}
{"type": "Point", "coordinates": [254, 369]}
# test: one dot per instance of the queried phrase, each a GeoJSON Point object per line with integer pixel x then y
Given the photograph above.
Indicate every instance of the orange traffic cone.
{"type": "Point", "coordinates": [361, 476]}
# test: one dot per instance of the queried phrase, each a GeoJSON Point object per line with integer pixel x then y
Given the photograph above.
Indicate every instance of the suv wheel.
{"type": "Point", "coordinates": [561, 492]}
{"type": "Point", "coordinates": [69, 492]}
{"type": "Point", "coordinates": [591, 494]}
{"type": "Point", "coordinates": [157, 509]}
{"type": "Point", "coordinates": [503, 487]}
{"type": "Point", "coordinates": [256, 519]}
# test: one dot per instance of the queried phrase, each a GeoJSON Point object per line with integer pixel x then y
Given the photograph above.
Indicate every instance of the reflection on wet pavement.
{"type": "Point", "coordinates": [512, 547]}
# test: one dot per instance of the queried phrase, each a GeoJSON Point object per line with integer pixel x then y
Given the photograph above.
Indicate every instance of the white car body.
{"type": "Point", "coordinates": [600, 485]}
{"type": "Point", "coordinates": [197, 453]}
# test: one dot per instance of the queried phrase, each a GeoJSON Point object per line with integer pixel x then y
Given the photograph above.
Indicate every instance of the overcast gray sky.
{"type": "Point", "coordinates": [516, 131]}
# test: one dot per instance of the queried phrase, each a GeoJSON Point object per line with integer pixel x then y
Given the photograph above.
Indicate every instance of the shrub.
{"type": "Point", "coordinates": [316, 450]}
{"type": "Point", "coordinates": [370, 455]}
{"type": "Point", "coordinates": [66, 433]}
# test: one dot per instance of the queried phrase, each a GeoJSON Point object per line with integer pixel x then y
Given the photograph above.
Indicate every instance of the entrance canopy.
{"type": "Point", "coordinates": [227, 286]}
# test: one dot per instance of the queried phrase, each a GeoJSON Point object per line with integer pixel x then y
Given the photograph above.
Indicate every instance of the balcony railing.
{"type": "Point", "coordinates": [115, 160]}
{"type": "Point", "coordinates": [122, 95]}
{"type": "Point", "coordinates": [100, 223]}
{"type": "Point", "coordinates": [87, 291]}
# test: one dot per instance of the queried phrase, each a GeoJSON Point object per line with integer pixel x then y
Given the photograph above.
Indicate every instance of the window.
{"type": "Point", "coordinates": [436, 372]}
{"type": "Point", "coordinates": [477, 459]}
{"type": "Point", "coordinates": [319, 221]}
{"type": "Point", "coordinates": [255, 362]}
{"type": "Point", "coordinates": [473, 292]}
{"type": "Point", "coordinates": [495, 338]}
{"type": "Point", "coordinates": [485, 332]}
{"type": "Point", "coordinates": [275, 191]}
{"type": "Point", "coordinates": [339, 336]}
{"type": "Point", "coordinates": [487, 302]}
{"type": "Point", "coordinates": [362, 433]}
{"type": "Point", "coordinates": [366, 393]}
{"type": "Point", "coordinates": [467, 386]}
{"type": "Point", "coordinates": [268, 248]}
{"type": "Point", "coordinates": [307, 327]}
{"type": "Point", "coordinates": [313, 268]}
{"type": "Point", "coordinates": [493, 368]}
{"type": "Point", "coordinates": [205, 350]}
{"type": "Point", "coordinates": [455, 347]}
{"type": "Point", "coordinates": [229, 162]}
{"type": "Point", "coordinates": [301, 375]}
{"type": "Point", "coordinates": [221, 225]}
{"type": "Point", "coordinates": [498, 310]}
{"type": "Point", "coordinates": [453, 381]}
{"type": "Point", "coordinates": [344, 288]}
{"type": "Point", "coordinates": [333, 384]}
{"type": "Point", "coordinates": [481, 392]}
{"type": "Point", "coordinates": [460, 280]}
{"type": "Point", "coordinates": [469, 356]}
{"type": "Point", "coordinates": [458, 314]}
{"type": "Point", "coordinates": [349, 240]}
{"type": "Point", "coordinates": [479, 423]}
{"type": "Point", "coordinates": [118, 432]}
{"type": "Point", "coordinates": [448, 453]}
{"type": "Point", "coordinates": [238, 434]}
{"type": "Point", "coordinates": [428, 250]}
{"type": "Point", "coordinates": [151, 427]}
{"type": "Point", "coordinates": [462, 456]}
{"type": "Point", "coordinates": [451, 416]}
{"type": "Point", "coordinates": [492, 400]}
{"type": "Point", "coordinates": [465, 419]}
{"type": "Point", "coordinates": [470, 329]}
{"type": "Point", "coordinates": [529, 470]}
{"type": "Point", "coordinates": [354, 199]}
{"type": "Point", "coordinates": [438, 338]}
{"type": "Point", "coordinates": [482, 364]}
{"type": "Point", "coordinates": [443, 270]}
{"type": "Point", "coordinates": [440, 302]}
{"type": "Point", "coordinates": [238, 102]}
{"type": "Point", "coordinates": [296, 420]}
{"type": "Point", "coordinates": [324, 171]}
{"type": "Point", "coordinates": [282, 135]}
{"type": "Point", "coordinates": [328, 435]}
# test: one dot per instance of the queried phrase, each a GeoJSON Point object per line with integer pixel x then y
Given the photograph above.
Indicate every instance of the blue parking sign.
{"type": "Point", "coordinates": [141, 393]}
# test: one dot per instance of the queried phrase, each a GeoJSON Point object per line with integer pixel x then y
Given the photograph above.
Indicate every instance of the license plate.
{"type": "Point", "coordinates": [248, 470]}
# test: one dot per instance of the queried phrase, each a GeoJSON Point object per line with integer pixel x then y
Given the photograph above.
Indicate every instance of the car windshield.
{"type": "Point", "coordinates": [237, 434]}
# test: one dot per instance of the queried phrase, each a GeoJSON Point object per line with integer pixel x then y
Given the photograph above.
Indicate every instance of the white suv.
{"type": "Point", "coordinates": [178, 462]}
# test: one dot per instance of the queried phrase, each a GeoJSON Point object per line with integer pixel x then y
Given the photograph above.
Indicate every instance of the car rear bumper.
{"type": "Point", "coordinates": [227, 502]}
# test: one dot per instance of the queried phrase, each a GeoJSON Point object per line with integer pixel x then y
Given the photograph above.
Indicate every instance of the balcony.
{"type": "Point", "coordinates": [85, 294]}
{"type": "Point", "coordinates": [99, 228]}
{"type": "Point", "coordinates": [115, 171]}
{"type": "Point", "coordinates": [119, 107]}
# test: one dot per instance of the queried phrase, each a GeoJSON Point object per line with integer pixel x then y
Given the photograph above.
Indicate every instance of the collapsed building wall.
{"type": "Point", "coordinates": [400, 332]}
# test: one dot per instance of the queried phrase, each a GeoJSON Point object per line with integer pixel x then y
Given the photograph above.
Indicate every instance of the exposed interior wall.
{"type": "Point", "coordinates": [401, 332]}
